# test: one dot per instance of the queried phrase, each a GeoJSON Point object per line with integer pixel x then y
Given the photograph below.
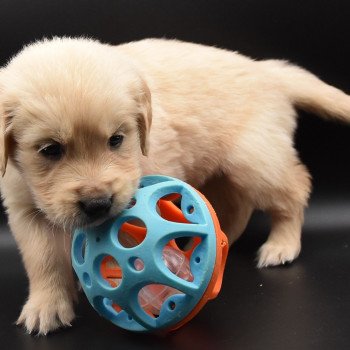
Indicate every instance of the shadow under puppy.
{"type": "Point", "coordinates": [76, 136]}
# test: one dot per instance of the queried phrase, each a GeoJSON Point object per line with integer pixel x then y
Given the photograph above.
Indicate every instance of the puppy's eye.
{"type": "Point", "coordinates": [115, 141]}
{"type": "Point", "coordinates": [53, 151]}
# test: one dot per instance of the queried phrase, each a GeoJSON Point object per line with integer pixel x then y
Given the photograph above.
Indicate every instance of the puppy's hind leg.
{"type": "Point", "coordinates": [272, 177]}
{"type": "Point", "coordinates": [286, 207]}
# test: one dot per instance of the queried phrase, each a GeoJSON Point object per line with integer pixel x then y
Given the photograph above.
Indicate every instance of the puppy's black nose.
{"type": "Point", "coordinates": [95, 207]}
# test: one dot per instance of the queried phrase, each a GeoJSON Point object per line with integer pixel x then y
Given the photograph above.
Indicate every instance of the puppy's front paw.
{"type": "Point", "coordinates": [276, 253]}
{"type": "Point", "coordinates": [44, 313]}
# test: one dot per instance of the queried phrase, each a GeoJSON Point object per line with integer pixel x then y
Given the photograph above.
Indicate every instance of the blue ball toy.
{"type": "Point", "coordinates": [155, 265]}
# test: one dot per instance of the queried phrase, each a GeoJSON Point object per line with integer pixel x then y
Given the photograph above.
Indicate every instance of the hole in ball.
{"type": "Point", "coordinates": [137, 263]}
{"type": "Point", "coordinates": [109, 270]}
{"type": "Point", "coordinates": [190, 209]}
{"type": "Point", "coordinates": [132, 233]}
{"type": "Point", "coordinates": [171, 305]}
{"type": "Point", "coordinates": [87, 279]}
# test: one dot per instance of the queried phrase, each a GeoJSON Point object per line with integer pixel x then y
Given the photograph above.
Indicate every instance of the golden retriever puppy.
{"type": "Point", "coordinates": [76, 136]}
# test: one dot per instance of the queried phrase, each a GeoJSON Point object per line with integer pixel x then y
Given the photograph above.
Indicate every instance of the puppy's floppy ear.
{"type": "Point", "coordinates": [144, 119]}
{"type": "Point", "coordinates": [5, 129]}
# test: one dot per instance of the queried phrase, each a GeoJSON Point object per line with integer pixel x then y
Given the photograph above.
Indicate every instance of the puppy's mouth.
{"type": "Point", "coordinates": [78, 220]}
{"type": "Point", "coordinates": [78, 217]}
{"type": "Point", "coordinates": [90, 222]}
{"type": "Point", "coordinates": [85, 221]}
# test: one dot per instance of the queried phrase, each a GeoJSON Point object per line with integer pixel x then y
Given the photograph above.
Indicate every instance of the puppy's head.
{"type": "Point", "coordinates": [75, 118]}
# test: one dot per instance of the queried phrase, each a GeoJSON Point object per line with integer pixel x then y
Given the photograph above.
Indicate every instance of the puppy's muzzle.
{"type": "Point", "coordinates": [95, 208]}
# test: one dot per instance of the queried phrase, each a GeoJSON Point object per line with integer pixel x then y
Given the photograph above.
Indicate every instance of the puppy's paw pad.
{"type": "Point", "coordinates": [273, 254]}
{"type": "Point", "coordinates": [44, 317]}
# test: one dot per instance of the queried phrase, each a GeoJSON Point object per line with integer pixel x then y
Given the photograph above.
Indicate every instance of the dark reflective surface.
{"type": "Point", "coordinates": [305, 305]}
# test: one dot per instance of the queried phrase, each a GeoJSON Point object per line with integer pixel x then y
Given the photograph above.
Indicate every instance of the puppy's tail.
{"type": "Point", "coordinates": [310, 93]}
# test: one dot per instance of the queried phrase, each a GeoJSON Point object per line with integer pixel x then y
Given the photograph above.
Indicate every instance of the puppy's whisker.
{"type": "Point", "coordinates": [64, 242]}
{"type": "Point", "coordinates": [34, 215]}
{"type": "Point", "coordinates": [52, 227]}
{"type": "Point", "coordinates": [30, 214]}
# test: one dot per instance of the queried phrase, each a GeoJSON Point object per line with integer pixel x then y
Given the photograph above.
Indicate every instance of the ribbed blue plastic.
{"type": "Point", "coordinates": [103, 240]}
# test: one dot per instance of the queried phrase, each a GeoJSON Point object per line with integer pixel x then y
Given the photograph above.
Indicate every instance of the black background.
{"type": "Point", "coordinates": [304, 306]}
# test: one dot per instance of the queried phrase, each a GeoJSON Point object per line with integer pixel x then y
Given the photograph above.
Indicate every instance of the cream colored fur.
{"type": "Point", "coordinates": [221, 122]}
